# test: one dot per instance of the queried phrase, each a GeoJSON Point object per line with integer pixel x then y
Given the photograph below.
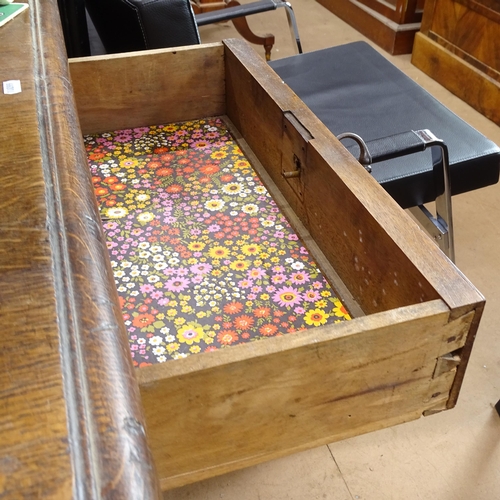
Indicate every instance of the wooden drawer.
{"type": "Point", "coordinates": [72, 397]}
{"type": "Point", "coordinates": [402, 356]}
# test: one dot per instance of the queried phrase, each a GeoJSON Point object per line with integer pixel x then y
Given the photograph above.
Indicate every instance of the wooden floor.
{"type": "Point", "coordinates": [454, 455]}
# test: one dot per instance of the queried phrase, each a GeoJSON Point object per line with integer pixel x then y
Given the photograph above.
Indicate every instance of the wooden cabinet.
{"type": "Point", "coordinates": [458, 46]}
{"type": "Point", "coordinates": [79, 417]}
{"type": "Point", "coordinates": [391, 24]}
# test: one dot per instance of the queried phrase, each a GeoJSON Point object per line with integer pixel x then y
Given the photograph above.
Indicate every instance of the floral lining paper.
{"type": "Point", "coordinates": [202, 257]}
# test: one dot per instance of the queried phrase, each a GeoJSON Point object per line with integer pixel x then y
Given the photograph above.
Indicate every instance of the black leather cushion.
{"type": "Point", "coordinates": [352, 88]}
{"type": "Point", "coordinates": [129, 25]}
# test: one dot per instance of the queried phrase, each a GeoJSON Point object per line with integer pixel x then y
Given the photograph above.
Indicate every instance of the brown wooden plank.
{"type": "Point", "coordinates": [251, 403]}
{"type": "Point", "coordinates": [392, 37]}
{"type": "Point", "coordinates": [136, 89]}
{"type": "Point", "coordinates": [71, 421]}
{"type": "Point", "coordinates": [458, 76]}
{"type": "Point", "coordinates": [34, 437]}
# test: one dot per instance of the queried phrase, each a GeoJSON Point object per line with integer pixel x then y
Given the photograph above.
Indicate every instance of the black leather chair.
{"type": "Point", "coordinates": [129, 25]}
{"type": "Point", "coordinates": [353, 90]}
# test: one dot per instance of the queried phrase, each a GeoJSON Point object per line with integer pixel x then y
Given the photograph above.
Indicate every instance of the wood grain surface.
{"type": "Point", "coordinates": [71, 421]}
{"type": "Point", "coordinates": [458, 47]}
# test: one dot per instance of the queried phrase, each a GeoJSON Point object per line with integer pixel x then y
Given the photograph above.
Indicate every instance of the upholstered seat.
{"type": "Point", "coordinates": [352, 88]}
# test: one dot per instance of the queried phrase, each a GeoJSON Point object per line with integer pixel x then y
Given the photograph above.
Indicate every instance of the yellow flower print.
{"type": "Point", "coordinates": [218, 252]}
{"type": "Point", "coordinates": [316, 317]}
{"type": "Point", "coordinates": [173, 347]}
{"type": "Point", "coordinates": [116, 212]}
{"type": "Point", "coordinates": [321, 304]}
{"type": "Point", "coordinates": [196, 246]}
{"type": "Point", "coordinates": [251, 249]}
{"type": "Point", "coordinates": [240, 265]}
{"type": "Point", "coordinates": [170, 128]}
{"type": "Point", "coordinates": [339, 310]}
{"type": "Point", "coordinates": [214, 205]}
{"type": "Point", "coordinates": [250, 208]}
{"type": "Point", "coordinates": [145, 217]}
{"type": "Point", "coordinates": [242, 164]}
{"type": "Point", "coordinates": [325, 293]}
{"type": "Point", "coordinates": [218, 155]}
{"type": "Point", "coordinates": [195, 349]}
{"type": "Point", "coordinates": [232, 188]}
{"type": "Point", "coordinates": [190, 332]}
{"type": "Point", "coordinates": [179, 321]}
{"type": "Point", "coordinates": [128, 162]}
{"type": "Point", "coordinates": [171, 313]}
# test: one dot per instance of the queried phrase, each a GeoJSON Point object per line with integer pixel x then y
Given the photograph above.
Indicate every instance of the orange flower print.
{"type": "Point", "coordinates": [227, 337]}
{"type": "Point", "coordinates": [211, 168]}
{"type": "Point", "coordinates": [243, 322]}
{"type": "Point", "coordinates": [143, 320]}
{"type": "Point", "coordinates": [262, 312]}
{"type": "Point", "coordinates": [233, 308]}
{"type": "Point", "coordinates": [268, 329]}
{"type": "Point", "coordinates": [164, 172]}
{"type": "Point", "coordinates": [174, 188]}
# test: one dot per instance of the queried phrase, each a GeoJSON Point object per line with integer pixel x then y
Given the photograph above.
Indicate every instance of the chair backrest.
{"type": "Point", "coordinates": [129, 25]}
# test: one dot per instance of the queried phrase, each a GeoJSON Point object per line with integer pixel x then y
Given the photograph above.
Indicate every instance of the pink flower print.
{"type": "Point", "coordinates": [311, 296]}
{"type": "Point", "coordinates": [157, 294]}
{"type": "Point", "coordinates": [245, 283]}
{"type": "Point", "coordinates": [300, 277]}
{"type": "Point", "coordinates": [278, 278]}
{"type": "Point", "coordinates": [201, 268]}
{"type": "Point", "coordinates": [163, 302]}
{"type": "Point", "coordinates": [213, 228]}
{"type": "Point", "coordinates": [287, 296]}
{"type": "Point", "coordinates": [256, 273]}
{"type": "Point", "coordinates": [177, 284]}
{"type": "Point", "coordinates": [123, 138]}
{"type": "Point", "coordinates": [147, 288]}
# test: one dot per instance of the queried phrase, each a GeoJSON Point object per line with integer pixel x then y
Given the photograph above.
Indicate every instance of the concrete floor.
{"type": "Point", "coordinates": [454, 455]}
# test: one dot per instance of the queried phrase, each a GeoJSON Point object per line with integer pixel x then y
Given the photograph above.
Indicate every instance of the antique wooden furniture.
{"type": "Point", "coordinates": [458, 47]}
{"type": "Point", "coordinates": [76, 421]}
{"type": "Point", "coordinates": [391, 24]}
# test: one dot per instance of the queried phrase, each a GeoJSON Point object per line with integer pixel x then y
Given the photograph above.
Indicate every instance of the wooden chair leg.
{"type": "Point", "coordinates": [241, 25]}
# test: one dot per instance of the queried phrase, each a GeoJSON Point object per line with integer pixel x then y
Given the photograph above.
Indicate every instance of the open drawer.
{"type": "Point", "coordinates": [75, 408]}
{"type": "Point", "coordinates": [403, 355]}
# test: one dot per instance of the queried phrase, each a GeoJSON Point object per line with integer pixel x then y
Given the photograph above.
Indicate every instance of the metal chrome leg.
{"type": "Point", "coordinates": [440, 226]}
{"type": "Point", "coordinates": [292, 22]}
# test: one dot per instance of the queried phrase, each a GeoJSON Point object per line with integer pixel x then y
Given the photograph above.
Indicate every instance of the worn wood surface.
{"type": "Point", "coordinates": [247, 404]}
{"type": "Point", "coordinates": [148, 88]}
{"type": "Point", "coordinates": [71, 421]}
{"type": "Point", "coordinates": [393, 29]}
{"type": "Point", "coordinates": [458, 47]}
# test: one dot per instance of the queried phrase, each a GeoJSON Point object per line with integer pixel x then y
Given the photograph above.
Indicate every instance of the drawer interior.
{"type": "Point", "coordinates": [233, 407]}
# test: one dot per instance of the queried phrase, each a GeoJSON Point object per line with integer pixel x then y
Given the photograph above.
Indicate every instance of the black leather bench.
{"type": "Point", "coordinates": [352, 88]}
